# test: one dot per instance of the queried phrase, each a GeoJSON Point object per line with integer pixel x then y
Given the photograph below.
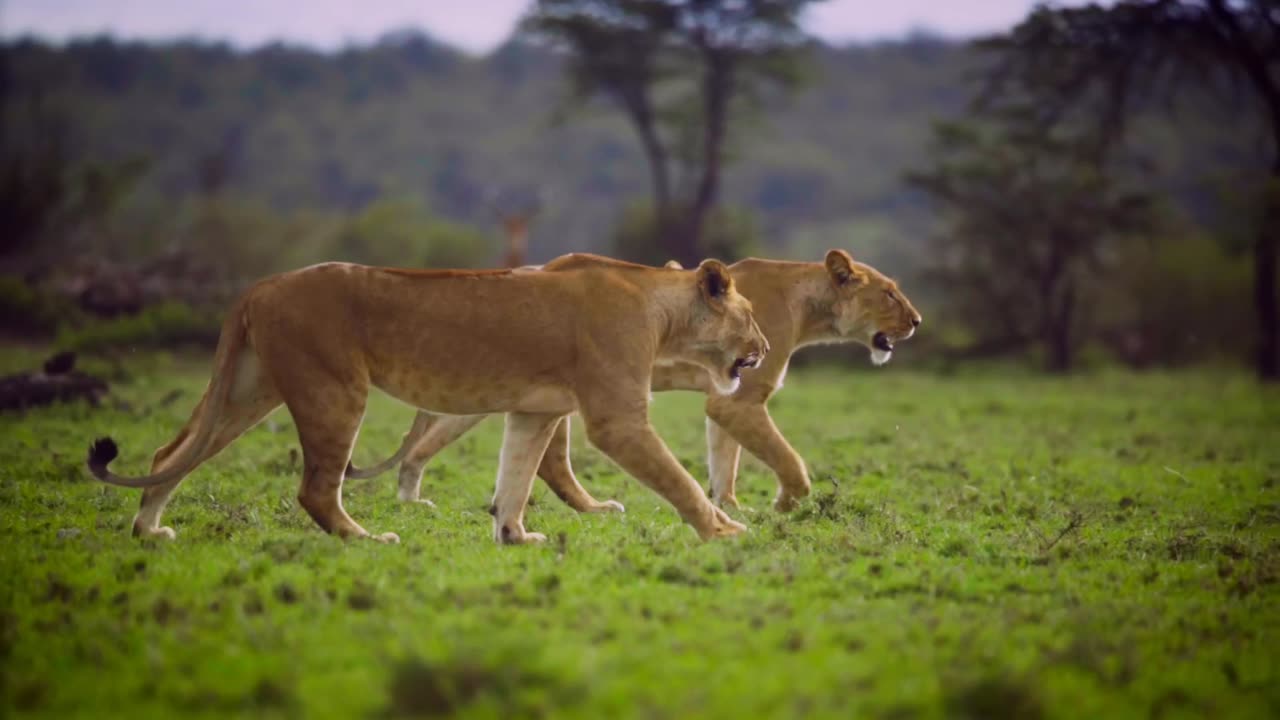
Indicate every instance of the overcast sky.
{"type": "Point", "coordinates": [474, 25]}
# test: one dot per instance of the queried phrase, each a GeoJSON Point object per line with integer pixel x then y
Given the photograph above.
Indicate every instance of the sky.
{"type": "Point", "coordinates": [476, 26]}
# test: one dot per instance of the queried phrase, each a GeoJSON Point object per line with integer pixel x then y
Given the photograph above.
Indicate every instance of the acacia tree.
{"type": "Point", "coordinates": [648, 55]}
{"type": "Point", "coordinates": [615, 49]}
{"type": "Point", "coordinates": [1098, 64]}
{"type": "Point", "coordinates": [1029, 219]}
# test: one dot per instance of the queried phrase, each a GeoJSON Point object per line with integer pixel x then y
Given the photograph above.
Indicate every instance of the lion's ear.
{"type": "Point", "coordinates": [842, 270]}
{"type": "Point", "coordinates": [714, 280]}
{"type": "Point", "coordinates": [673, 265]}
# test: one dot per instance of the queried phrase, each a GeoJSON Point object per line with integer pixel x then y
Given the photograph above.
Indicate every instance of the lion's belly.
{"type": "Point", "coordinates": [479, 396]}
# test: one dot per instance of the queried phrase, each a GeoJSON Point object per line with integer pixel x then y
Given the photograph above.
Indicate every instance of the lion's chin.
{"type": "Point", "coordinates": [880, 357]}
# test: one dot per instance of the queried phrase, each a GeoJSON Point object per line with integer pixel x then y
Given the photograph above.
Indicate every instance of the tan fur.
{"type": "Point", "coordinates": [796, 304]}
{"type": "Point", "coordinates": [535, 345]}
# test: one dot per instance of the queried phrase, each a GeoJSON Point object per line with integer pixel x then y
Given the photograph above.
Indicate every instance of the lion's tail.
{"type": "Point", "coordinates": [231, 343]}
{"type": "Point", "coordinates": [421, 422]}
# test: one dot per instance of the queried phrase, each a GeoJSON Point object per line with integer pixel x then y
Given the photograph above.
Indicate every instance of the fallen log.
{"type": "Point", "coordinates": [56, 381]}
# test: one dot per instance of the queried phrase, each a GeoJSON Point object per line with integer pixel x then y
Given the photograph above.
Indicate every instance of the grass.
{"type": "Point", "coordinates": [976, 546]}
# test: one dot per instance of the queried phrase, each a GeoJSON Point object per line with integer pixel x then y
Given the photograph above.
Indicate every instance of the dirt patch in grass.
{"type": "Point", "coordinates": [994, 698]}
{"type": "Point", "coordinates": [422, 689]}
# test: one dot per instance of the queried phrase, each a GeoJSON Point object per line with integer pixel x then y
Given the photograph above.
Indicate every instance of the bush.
{"type": "Point", "coordinates": [164, 325]}
{"type": "Point", "coordinates": [25, 311]}
{"type": "Point", "coordinates": [1176, 301]}
{"type": "Point", "coordinates": [402, 233]}
{"type": "Point", "coordinates": [729, 234]}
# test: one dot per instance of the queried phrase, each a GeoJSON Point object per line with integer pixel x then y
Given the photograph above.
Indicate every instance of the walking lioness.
{"type": "Point", "coordinates": [797, 304]}
{"type": "Point", "coordinates": [534, 345]}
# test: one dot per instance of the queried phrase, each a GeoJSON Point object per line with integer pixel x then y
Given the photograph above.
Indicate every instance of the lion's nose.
{"type": "Point", "coordinates": [915, 321]}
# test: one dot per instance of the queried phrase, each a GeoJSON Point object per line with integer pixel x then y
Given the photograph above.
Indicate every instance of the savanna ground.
{"type": "Point", "coordinates": [988, 545]}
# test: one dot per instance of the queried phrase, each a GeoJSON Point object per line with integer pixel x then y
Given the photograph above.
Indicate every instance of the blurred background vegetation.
{"type": "Point", "coordinates": [1040, 195]}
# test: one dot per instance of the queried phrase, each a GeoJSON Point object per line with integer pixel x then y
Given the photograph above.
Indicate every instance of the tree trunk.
{"type": "Point", "coordinates": [1255, 62]}
{"type": "Point", "coordinates": [656, 156]}
{"type": "Point", "coordinates": [639, 110]}
{"type": "Point", "coordinates": [717, 88]}
{"type": "Point", "coordinates": [665, 226]}
{"type": "Point", "coordinates": [1266, 247]}
{"type": "Point", "coordinates": [1059, 354]}
{"type": "Point", "coordinates": [1057, 297]}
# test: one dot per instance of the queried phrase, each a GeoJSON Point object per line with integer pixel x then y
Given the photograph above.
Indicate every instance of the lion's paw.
{"type": "Point", "coordinates": [389, 538]}
{"type": "Point", "coordinates": [728, 501]}
{"type": "Point", "coordinates": [422, 501]}
{"type": "Point", "coordinates": [722, 526]}
{"type": "Point", "coordinates": [786, 502]}
{"type": "Point", "coordinates": [508, 536]}
{"type": "Point", "coordinates": [160, 533]}
{"type": "Point", "coordinates": [607, 506]}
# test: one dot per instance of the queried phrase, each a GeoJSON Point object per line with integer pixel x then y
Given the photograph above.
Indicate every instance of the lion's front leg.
{"type": "Point", "coordinates": [630, 442]}
{"type": "Point", "coordinates": [750, 425]}
{"type": "Point", "coordinates": [523, 444]}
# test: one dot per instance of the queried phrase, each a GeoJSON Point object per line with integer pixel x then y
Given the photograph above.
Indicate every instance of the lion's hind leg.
{"type": "Point", "coordinates": [723, 455]}
{"type": "Point", "coordinates": [328, 418]}
{"type": "Point", "coordinates": [439, 433]}
{"type": "Point", "coordinates": [252, 397]}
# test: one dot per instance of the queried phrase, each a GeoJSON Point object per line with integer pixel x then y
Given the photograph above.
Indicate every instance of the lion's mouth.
{"type": "Point", "coordinates": [881, 349]}
{"type": "Point", "coordinates": [743, 363]}
{"type": "Point", "coordinates": [881, 342]}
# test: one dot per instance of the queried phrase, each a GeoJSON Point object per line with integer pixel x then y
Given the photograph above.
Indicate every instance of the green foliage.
{"type": "Point", "coordinates": [991, 545]}
{"type": "Point", "coordinates": [25, 310]}
{"type": "Point", "coordinates": [1164, 302]}
{"type": "Point", "coordinates": [730, 234]}
{"type": "Point", "coordinates": [1030, 216]}
{"type": "Point", "coordinates": [1096, 65]}
{"type": "Point", "coordinates": [242, 238]}
{"type": "Point", "coordinates": [401, 233]}
{"type": "Point", "coordinates": [165, 325]}
{"type": "Point", "coordinates": [257, 161]}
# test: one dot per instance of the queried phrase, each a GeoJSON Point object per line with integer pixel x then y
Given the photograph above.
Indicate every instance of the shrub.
{"type": "Point", "coordinates": [24, 310]}
{"type": "Point", "coordinates": [728, 234]}
{"type": "Point", "coordinates": [160, 326]}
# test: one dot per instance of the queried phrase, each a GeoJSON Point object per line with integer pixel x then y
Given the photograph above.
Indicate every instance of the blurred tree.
{"type": "Point", "coordinates": [615, 49]}
{"type": "Point", "coordinates": [1096, 64]}
{"type": "Point", "coordinates": [745, 48]}
{"type": "Point", "coordinates": [725, 50]}
{"type": "Point", "coordinates": [296, 142]}
{"type": "Point", "coordinates": [35, 177]}
{"type": "Point", "coordinates": [1029, 218]}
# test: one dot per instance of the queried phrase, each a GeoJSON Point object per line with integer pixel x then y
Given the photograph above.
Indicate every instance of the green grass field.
{"type": "Point", "coordinates": [976, 546]}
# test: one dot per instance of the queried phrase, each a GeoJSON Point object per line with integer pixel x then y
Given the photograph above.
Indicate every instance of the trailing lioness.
{"type": "Point", "coordinates": [796, 304]}
{"type": "Point", "coordinates": [535, 345]}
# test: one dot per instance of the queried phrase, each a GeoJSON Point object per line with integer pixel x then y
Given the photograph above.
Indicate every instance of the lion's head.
{"type": "Point", "coordinates": [869, 308]}
{"type": "Point", "coordinates": [725, 337]}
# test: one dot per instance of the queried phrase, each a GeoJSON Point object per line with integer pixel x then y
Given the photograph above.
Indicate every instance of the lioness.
{"type": "Point", "coordinates": [797, 304]}
{"type": "Point", "coordinates": [535, 345]}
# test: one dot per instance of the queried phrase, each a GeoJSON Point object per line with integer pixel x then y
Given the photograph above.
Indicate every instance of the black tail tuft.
{"type": "Point", "coordinates": [102, 452]}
